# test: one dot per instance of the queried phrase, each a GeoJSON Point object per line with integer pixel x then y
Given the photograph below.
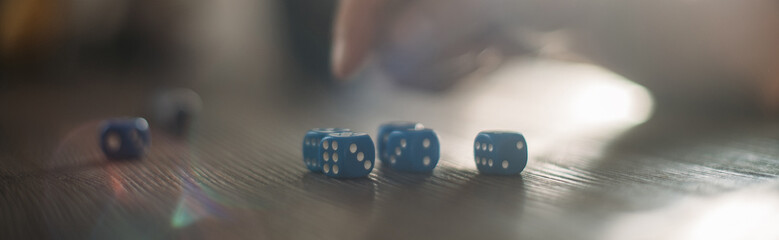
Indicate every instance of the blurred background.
{"type": "Point", "coordinates": [700, 55]}
{"type": "Point", "coordinates": [646, 119]}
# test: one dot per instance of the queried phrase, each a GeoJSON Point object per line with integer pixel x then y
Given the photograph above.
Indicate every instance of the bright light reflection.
{"type": "Point", "coordinates": [747, 214]}
{"type": "Point", "coordinates": [195, 203]}
{"type": "Point", "coordinates": [550, 101]}
{"type": "Point", "coordinates": [116, 182]}
{"type": "Point", "coordinates": [744, 217]}
{"type": "Point", "coordinates": [602, 103]}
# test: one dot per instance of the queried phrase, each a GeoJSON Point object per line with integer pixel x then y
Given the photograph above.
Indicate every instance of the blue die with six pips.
{"type": "Point", "coordinates": [347, 154]}
{"type": "Point", "coordinates": [311, 155]}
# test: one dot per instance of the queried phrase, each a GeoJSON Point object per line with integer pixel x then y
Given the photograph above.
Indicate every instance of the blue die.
{"type": "Point", "coordinates": [347, 154]}
{"type": "Point", "coordinates": [176, 110]}
{"type": "Point", "coordinates": [311, 148]}
{"type": "Point", "coordinates": [498, 152]}
{"type": "Point", "coordinates": [125, 138]}
{"type": "Point", "coordinates": [386, 129]}
{"type": "Point", "coordinates": [413, 150]}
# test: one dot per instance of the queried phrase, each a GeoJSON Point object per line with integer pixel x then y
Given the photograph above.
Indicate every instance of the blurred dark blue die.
{"type": "Point", "coordinates": [125, 138]}
{"type": "Point", "coordinates": [386, 129]}
{"type": "Point", "coordinates": [500, 152]}
{"type": "Point", "coordinates": [176, 110]}
{"type": "Point", "coordinates": [413, 150]}
{"type": "Point", "coordinates": [311, 149]}
{"type": "Point", "coordinates": [347, 154]}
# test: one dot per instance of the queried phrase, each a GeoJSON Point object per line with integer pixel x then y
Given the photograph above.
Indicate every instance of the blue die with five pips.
{"type": "Point", "coordinates": [386, 129]}
{"type": "Point", "coordinates": [500, 152]}
{"type": "Point", "coordinates": [413, 150]}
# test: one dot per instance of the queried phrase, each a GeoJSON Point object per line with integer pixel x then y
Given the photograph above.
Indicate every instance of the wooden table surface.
{"type": "Point", "coordinates": [605, 163]}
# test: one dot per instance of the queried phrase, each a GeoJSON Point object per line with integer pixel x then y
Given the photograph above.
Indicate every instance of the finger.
{"type": "Point", "coordinates": [354, 34]}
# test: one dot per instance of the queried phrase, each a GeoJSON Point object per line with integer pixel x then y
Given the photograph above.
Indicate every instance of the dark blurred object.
{"type": "Point", "coordinates": [310, 32]}
{"type": "Point", "coordinates": [148, 37]}
{"type": "Point", "coordinates": [125, 138]}
{"type": "Point", "coordinates": [51, 37]}
{"type": "Point", "coordinates": [176, 110]}
{"type": "Point", "coordinates": [29, 31]}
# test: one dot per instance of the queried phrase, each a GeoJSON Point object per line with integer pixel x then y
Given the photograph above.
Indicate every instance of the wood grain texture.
{"type": "Point", "coordinates": [239, 174]}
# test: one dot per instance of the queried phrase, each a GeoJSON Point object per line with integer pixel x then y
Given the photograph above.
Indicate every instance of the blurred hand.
{"type": "Point", "coordinates": [356, 24]}
{"type": "Point", "coordinates": [680, 50]}
{"type": "Point", "coordinates": [429, 43]}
